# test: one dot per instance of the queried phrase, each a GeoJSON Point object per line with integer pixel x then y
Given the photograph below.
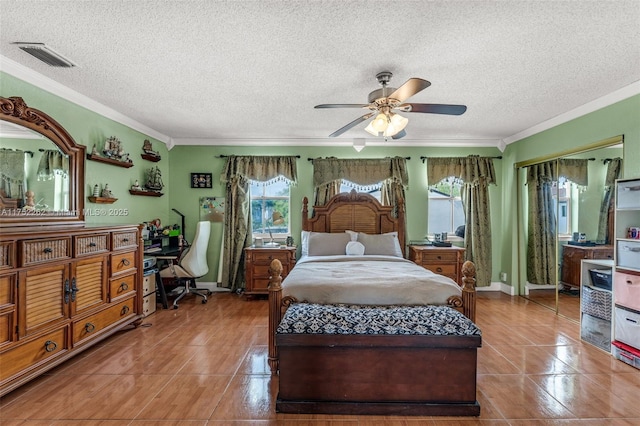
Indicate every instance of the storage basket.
{"type": "Point", "coordinates": [596, 302]}
{"type": "Point", "coordinates": [596, 331]}
{"type": "Point", "coordinates": [601, 278]}
{"type": "Point", "coordinates": [626, 354]}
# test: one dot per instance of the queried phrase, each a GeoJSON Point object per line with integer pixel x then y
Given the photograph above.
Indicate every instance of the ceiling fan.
{"type": "Point", "coordinates": [383, 102]}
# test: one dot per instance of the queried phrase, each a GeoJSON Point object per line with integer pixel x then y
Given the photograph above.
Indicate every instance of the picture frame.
{"type": "Point", "coordinates": [201, 180]}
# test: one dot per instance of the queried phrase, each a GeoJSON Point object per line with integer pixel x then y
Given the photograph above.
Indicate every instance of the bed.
{"type": "Point", "coordinates": [378, 277]}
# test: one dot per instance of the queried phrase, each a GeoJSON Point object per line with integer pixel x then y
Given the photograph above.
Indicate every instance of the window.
{"type": "Point", "coordinates": [267, 198]}
{"type": "Point", "coordinates": [373, 190]}
{"type": "Point", "coordinates": [445, 207]}
{"type": "Point", "coordinates": [562, 205]}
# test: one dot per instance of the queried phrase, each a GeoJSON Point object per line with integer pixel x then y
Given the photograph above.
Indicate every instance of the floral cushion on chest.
{"type": "Point", "coordinates": [310, 318]}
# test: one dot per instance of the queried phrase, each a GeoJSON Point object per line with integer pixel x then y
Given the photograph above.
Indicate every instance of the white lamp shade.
{"type": "Point", "coordinates": [396, 125]}
{"type": "Point", "coordinates": [380, 123]}
{"type": "Point", "coordinates": [372, 131]}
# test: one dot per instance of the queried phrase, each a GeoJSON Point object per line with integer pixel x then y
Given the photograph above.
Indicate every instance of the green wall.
{"type": "Point", "coordinates": [185, 160]}
{"type": "Point", "coordinates": [621, 118]}
{"type": "Point", "coordinates": [89, 128]}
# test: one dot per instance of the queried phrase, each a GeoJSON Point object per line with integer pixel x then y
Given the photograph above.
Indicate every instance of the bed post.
{"type": "Point", "coordinates": [469, 290]}
{"type": "Point", "coordinates": [305, 214]}
{"type": "Point", "coordinates": [275, 310]}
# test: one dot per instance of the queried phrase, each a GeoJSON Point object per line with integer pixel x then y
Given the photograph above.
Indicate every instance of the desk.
{"type": "Point", "coordinates": [164, 249]}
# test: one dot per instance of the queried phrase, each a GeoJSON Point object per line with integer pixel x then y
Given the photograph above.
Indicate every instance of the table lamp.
{"type": "Point", "coordinates": [276, 219]}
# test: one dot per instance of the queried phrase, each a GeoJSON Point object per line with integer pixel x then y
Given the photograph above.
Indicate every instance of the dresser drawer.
{"type": "Point", "coordinates": [31, 353]}
{"type": "Point", "coordinates": [91, 244]}
{"type": "Point", "coordinates": [122, 286]}
{"type": "Point", "coordinates": [38, 251]}
{"type": "Point", "coordinates": [439, 256]}
{"type": "Point", "coordinates": [7, 255]}
{"type": "Point", "coordinates": [265, 257]}
{"type": "Point", "coordinates": [123, 262]}
{"type": "Point", "coordinates": [443, 269]}
{"type": "Point", "coordinates": [91, 326]}
{"type": "Point", "coordinates": [126, 239]}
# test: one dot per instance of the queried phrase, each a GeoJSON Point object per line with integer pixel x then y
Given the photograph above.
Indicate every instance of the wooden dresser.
{"type": "Point", "coordinates": [63, 290]}
{"type": "Point", "coordinates": [572, 257]}
{"type": "Point", "coordinates": [445, 261]}
{"type": "Point", "coordinates": [257, 261]}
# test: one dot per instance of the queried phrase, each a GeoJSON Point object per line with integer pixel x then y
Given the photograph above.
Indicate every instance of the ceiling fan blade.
{"type": "Point", "coordinates": [342, 106]}
{"type": "Point", "coordinates": [352, 124]}
{"type": "Point", "coordinates": [399, 135]}
{"type": "Point", "coordinates": [434, 108]}
{"type": "Point", "coordinates": [409, 88]}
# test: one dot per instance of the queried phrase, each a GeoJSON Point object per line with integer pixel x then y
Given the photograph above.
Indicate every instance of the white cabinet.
{"type": "Point", "coordinates": [626, 284]}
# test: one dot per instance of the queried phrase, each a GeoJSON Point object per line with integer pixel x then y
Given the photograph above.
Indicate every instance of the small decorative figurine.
{"type": "Point", "coordinates": [94, 151]}
{"type": "Point", "coordinates": [96, 190]}
{"type": "Point", "coordinates": [136, 186]}
{"type": "Point", "coordinates": [106, 192]}
{"type": "Point", "coordinates": [148, 149]}
{"type": "Point", "coordinates": [154, 179]}
{"type": "Point", "coordinates": [30, 203]}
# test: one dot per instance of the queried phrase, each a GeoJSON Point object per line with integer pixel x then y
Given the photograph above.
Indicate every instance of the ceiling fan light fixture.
{"type": "Point", "coordinates": [380, 123]}
{"type": "Point", "coordinates": [372, 131]}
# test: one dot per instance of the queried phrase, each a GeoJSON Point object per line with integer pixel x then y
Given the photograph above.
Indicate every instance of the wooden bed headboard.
{"type": "Point", "coordinates": [354, 211]}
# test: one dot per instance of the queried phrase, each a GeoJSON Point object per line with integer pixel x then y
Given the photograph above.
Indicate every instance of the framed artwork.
{"type": "Point", "coordinates": [201, 180]}
{"type": "Point", "coordinates": [212, 209]}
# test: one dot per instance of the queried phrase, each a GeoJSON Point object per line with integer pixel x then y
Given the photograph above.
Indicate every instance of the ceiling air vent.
{"type": "Point", "coordinates": [45, 54]}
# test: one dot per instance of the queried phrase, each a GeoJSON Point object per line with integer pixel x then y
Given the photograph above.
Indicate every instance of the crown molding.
{"type": "Point", "coordinates": [464, 143]}
{"type": "Point", "coordinates": [45, 83]}
{"type": "Point", "coordinates": [604, 101]}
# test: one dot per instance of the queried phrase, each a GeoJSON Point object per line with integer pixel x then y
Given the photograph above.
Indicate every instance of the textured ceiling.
{"type": "Point", "coordinates": [224, 72]}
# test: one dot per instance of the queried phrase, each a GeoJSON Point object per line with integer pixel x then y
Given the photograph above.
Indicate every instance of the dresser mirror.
{"type": "Point", "coordinates": [565, 215]}
{"type": "Point", "coordinates": [42, 168]}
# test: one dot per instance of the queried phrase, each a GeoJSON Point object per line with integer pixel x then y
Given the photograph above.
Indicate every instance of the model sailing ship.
{"type": "Point", "coordinates": [154, 180]}
{"type": "Point", "coordinates": [149, 153]}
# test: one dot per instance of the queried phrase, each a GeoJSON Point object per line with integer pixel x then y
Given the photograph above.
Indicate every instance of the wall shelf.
{"type": "Point", "coordinates": [146, 193]}
{"type": "Point", "coordinates": [95, 157]}
{"type": "Point", "coordinates": [150, 157]}
{"type": "Point", "coordinates": [102, 200]}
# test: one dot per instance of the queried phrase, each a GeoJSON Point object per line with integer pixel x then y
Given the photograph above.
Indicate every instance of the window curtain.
{"type": "Point", "coordinates": [236, 175]}
{"type": "Point", "coordinates": [541, 235]}
{"type": "Point", "coordinates": [606, 208]}
{"type": "Point", "coordinates": [366, 174]}
{"type": "Point", "coordinates": [476, 173]}
{"type": "Point", "coordinates": [12, 173]}
{"type": "Point", "coordinates": [52, 162]}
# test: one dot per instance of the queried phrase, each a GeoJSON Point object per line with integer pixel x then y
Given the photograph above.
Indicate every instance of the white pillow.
{"type": "Point", "coordinates": [381, 244]}
{"type": "Point", "coordinates": [355, 248]}
{"type": "Point", "coordinates": [327, 243]}
{"type": "Point", "coordinates": [304, 243]}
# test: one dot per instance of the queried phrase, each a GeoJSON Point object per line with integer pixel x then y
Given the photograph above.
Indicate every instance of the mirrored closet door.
{"type": "Point", "coordinates": [565, 215]}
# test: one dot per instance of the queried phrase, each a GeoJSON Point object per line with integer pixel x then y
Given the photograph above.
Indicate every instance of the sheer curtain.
{"type": "Point", "coordinates": [237, 173]}
{"type": "Point", "coordinates": [476, 173]}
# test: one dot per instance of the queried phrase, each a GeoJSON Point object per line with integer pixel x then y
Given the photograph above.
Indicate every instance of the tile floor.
{"type": "Point", "coordinates": [206, 365]}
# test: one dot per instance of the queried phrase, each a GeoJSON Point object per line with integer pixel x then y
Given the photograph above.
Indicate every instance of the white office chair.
{"type": "Point", "coordinates": [192, 265]}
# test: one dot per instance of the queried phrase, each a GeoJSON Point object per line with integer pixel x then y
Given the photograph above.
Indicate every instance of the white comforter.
{"type": "Point", "coordinates": [368, 280]}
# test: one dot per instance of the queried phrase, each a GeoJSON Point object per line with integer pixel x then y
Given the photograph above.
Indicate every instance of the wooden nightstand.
{"type": "Point", "coordinates": [445, 261]}
{"type": "Point", "coordinates": [256, 263]}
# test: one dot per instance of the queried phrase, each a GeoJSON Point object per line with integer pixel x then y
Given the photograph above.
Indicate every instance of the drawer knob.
{"type": "Point", "coordinates": [50, 346]}
{"type": "Point", "coordinates": [89, 328]}
{"type": "Point", "coordinates": [439, 257]}
{"type": "Point", "coordinates": [47, 250]}
{"type": "Point", "coordinates": [125, 240]}
{"type": "Point", "coordinates": [124, 286]}
{"type": "Point", "coordinates": [124, 311]}
{"type": "Point", "coordinates": [438, 269]}
{"type": "Point", "coordinates": [125, 262]}
{"type": "Point", "coordinates": [92, 244]}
